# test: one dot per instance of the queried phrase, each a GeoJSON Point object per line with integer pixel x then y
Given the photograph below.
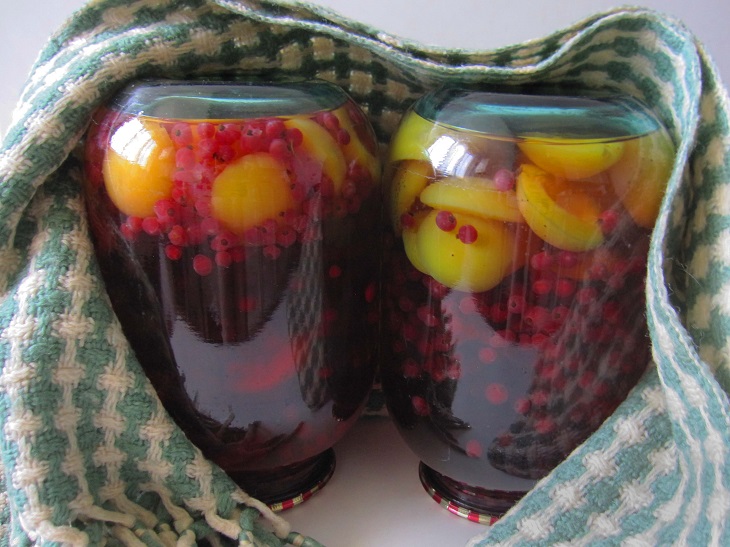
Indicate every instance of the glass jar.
{"type": "Point", "coordinates": [514, 281]}
{"type": "Point", "coordinates": [235, 225]}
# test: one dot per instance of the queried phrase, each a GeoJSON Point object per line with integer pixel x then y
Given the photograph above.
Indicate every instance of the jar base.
{"type": "Point", "coordinates": [470, 502]}
{"type": "Point", "coordinates": [290, 485]}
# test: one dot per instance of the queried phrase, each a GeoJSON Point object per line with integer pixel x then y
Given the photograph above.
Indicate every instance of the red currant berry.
{"type": "Point", "coordinates": [445, 220]}
{"type": "Point", "coordinates": [586, 295]}
{"type": "Point", "coordinates": [545, 426]}
{"type": "Point", "coordinates": [504, 180]}
{"type": "Point", "coordinates": [286, 236]}
{"type": "Point", "coordinates": [427, 317]}
{"type": "Point", "coordinates": [207, 149]}
{"type": "Point", "coordinates": [185, 158]}
{"type": "Point", "coordinates": [343, 137]}
{"type": "Point", "coordinates": [295, 137]}
{"type": "Point", "coordinates": [420, 406]}
{"type": "Point", "coordinates": [177, 235]}
{"type": "Point", "coordinates": [253, 139]}
{"type": "Point", "coordinates": [473, 449]}
{"type": "Point", "coordinates": [247, 304]}
{"type": "Point", "coordinates": [487, 355]}
{"type": "Point", "coordinates": [523, 405]}
{"type": "Point", "coordinates": [537, 317]}
{"type": "Point", "coordinates": [202, 265]}
{"type": "Point", "coordinates": [181, 134]}
{"type": "Point", "coordinates": [238, 254]}
{"type": "Point", "coordinates": [568, 259]}
{"type": "Point", "coordinates": [496, 393]}
{"type": "Point", "coordinates": [467, 234]}
{"type": "Point", "coordinates": [151, 226]}
{"type": "Point", "coordinates": [223, 241]}
{"type": "Point", "coordinates": [498, 312]}
{"type": "Point", "coordinates": [134, 224]}
{"type": "Point", "coordinates": [411, 368]}
{"type": "Point", "coordinates": [516, 303]}
{"type": "Point", "coordinates": [223, 259]}
{"type": "Point", "coordinates": [542, 287]}
{"type": "Point", "coordinates": [173, 252]}
{"type": "Point", "coordinates": [225, 153]}
{"type": "Point", "coordinates": [565, 288]}
{"type": "Point", "coordinates": [559, 314]}
{"type": "Point", "coordinates": [541, 261]}
{"type": "Point", "coordinates": [279, 149]}
{"type": "Point", "coordinates": [127, 232]}
{"type": "Point", "coordinates": [371, 292]}
{"type": "Point", "coordinates": [228, 133]}
{"type": "Point", "coordinates": [608, 221]}
{"type": "Point", "coordinates": [272, 252]}
{"type": "Point", "coordinates": [329, 120]}
{"type": "Point", "coordinates": [206, 130]}
{"type": "Point", "coordinates": [275, 129]}
{"type": "Point", "coordinates": [407, 220]}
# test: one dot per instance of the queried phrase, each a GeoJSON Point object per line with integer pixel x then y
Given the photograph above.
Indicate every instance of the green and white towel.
{"type": "Point", "coordinates": [90, 456]}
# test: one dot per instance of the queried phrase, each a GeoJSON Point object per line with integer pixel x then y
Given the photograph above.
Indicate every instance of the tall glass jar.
{"type": "Point", "coordinates": [235, 225]}
{"type": "Point", "coordinates": [514, 281]}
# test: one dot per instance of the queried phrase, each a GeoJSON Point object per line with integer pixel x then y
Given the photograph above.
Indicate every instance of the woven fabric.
{"type": "Point", "coordinates": [88, 454]}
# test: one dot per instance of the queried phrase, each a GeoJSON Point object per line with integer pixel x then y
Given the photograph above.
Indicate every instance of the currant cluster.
{"type": "Point", "coordinates": [572, 323]}
{"type": "Point", "coordinates": [198, 154]}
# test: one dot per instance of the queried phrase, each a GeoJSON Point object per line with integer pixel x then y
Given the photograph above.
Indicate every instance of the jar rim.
{"type": "Point", "coordinates": [524, 115]}
{"type": "Point", "coordinates": [208, 99]}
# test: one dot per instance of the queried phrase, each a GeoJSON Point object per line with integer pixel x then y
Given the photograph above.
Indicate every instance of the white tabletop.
{"type": "Point", "coordinates": [375, 497]}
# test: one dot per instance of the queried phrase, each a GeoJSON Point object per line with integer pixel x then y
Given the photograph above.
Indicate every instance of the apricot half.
{"type": "Point", "coordinates": [254, 188]}
{"type": "Point", "coordinates": [410, 241]}
{"type": "Point", "coordinates": [409, 180]}
{"type": "Point", "coordinates": [572, 159]}
{"type": "Point", "coordinates": [138, 167]}
{"type": "Point", "coordinates": [414, 137]}
{"type": "Point", "coordinates": [473, 267]}
{"type": "Point", "coordinates": [560, 212]}
{"type": "Point", "coordinates": [472, 196]}
{"type": "Point", "coordinates": [321, 146]}
{"type": "Point", "coordinates": [640, 177]}
{"type": "Point", "coordinates": [355, 149]}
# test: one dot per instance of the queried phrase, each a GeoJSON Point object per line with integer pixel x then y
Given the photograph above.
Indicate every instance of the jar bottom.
{"type": "Point", "coordinates": [289, 485]}
{"type": "Point", "coordinates": [470, 502]}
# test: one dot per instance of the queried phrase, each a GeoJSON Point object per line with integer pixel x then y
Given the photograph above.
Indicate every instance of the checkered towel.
{"type": "Point", "coordinates": [88, 454]}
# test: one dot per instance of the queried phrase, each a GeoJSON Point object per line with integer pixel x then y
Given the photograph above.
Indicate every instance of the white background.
{"type": "Point", "coordinates": [375, 498]}
{"type": "Point", "coordinates": [472, 24]}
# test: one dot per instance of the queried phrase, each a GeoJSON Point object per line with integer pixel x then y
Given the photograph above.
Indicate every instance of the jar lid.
{"type": "Point", "coordinates": [224, 100]}
{"type": "Point", "coordinates": [516, 115]}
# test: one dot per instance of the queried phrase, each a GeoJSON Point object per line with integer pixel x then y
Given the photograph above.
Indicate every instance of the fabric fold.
{"type": "Point", "coordinates": [89, 455]}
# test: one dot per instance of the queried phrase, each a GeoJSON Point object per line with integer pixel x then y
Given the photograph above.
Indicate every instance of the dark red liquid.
{"type": "Point", "coordinates": [494, 389]}
{"type": "Point", "coordinates": [262, 346]}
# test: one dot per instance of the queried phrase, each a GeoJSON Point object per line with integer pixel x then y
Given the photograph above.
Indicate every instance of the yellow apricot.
{"type": "Point", "coordinates": [572, 159]}
{"type": "Point", "coordinates": [472, 196]}
{"type": "Point", "coordinates": [472, 267]}
{"type": "Point", "coordinates": [410, 178]}
{"type": "Point", "coordinates": [414, 137]}
{"type": "Point", "coordinates": [138, 167]}
{"type": "Point", "coordinates": [640, 177]}
{"type": "Point", "coordinates": [355, 150]}
{"type": "Point", "coordinates": [410, 241]}
{"type": "Point", "coordinates": [319, 144]}
{"type": "Point", "coordinates": [254, 188]}
{"type": "Point", "coordinates": [563, 214]}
